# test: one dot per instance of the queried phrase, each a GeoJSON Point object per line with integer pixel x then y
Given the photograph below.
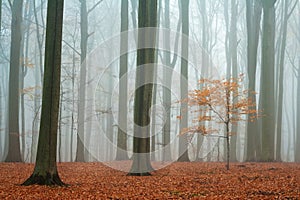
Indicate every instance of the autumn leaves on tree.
{"type": "Point", "coordinates": [222, 102]}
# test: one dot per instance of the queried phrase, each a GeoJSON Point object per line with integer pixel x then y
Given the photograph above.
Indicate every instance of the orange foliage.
{"type": "Point", "coordinates": [222, 101]}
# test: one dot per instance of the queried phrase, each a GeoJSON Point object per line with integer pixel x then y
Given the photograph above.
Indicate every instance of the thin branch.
{"type": "Point", "coordinates": [71, 47]}
{"type": "Point", "coordinates": [92, 8]}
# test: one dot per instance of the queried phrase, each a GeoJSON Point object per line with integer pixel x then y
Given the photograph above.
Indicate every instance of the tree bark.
{"type": "Point", "coordinates": [81, 104]}
{"type": "Point", "coordinates": [45, 171]}
{"type": "Point", "coordinates": [14, 154]}
{"type": "Point", "coordinates": [122, 115]}
{"type": "Point", "coordinates": [267, 95]}
{"type": "Point", "coordinates": [253, 16]}
{"type": "Point", "coordinates": [183, 142]}
{"type": "Point", "coordinates": [280, 81]}
{"type": "Point", "coordinates": [141, 165]}
{"type": "Point", "coordinates": [297, 143]}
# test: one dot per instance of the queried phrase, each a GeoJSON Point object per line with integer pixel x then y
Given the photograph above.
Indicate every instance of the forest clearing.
{"type": "Point", "coordinates": [180, 180]}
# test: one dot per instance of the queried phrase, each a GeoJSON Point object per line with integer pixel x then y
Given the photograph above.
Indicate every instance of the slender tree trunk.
{"type": "Point", "coordinates": [183, 142]}
{"type": "Point", "coordinates": [253, 13]}
{"type": "Point", "coordinates": [45, 171]}
{"type": "Point", "coordinates": [297, 145]}
{"type": "Point", "coordinates": [14, 154]}
{"type": "Point", "coordinates": [122, 118]}
{"type": "Point", "coordinates": [267, 95]}
{"type": "Point", "coordinates": [81, 104]}
{"type": "Point", "coordinates": [231, 57]}
{"type": "Point", "coordinates": [280, 81]}
{"type": "Point", "coordinates": [167, 79]}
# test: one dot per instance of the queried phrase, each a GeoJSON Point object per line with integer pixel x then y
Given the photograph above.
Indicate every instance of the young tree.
{"type": "Point", "coordinates": [45, 171]}
{"type": "Point", "coordinates": [14, 154]}
{"type": "Point", "coordinates": [222, 102]}
{"type": "Point", "coordinates": [141, 165]}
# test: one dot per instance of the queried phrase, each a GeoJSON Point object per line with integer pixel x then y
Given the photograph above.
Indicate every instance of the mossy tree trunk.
{"type": "Point", "coordinates": [141, 165]}
{"type": "Point", "coordinates": [45, 171]}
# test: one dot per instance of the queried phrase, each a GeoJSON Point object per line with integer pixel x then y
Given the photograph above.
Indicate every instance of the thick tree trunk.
{"type": "Point", "coordinates": [267, 95]}
{"type": "Point", "coordinates": [14, 154]}
{"type": "Point", "coordinates": [141, 165]}
{"type": "Point", "coordinates": [45, 171]}
{"type": "Point", "coordinates": [183, 142]}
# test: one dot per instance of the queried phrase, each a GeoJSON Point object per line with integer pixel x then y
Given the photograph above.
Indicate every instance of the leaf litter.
{"type": "Point", "coordinates": [180, 180]}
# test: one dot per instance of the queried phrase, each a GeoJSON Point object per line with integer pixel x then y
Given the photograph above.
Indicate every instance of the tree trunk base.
{"type": "Point", "coordinates": [139, 174]}
{"type": "Point", "coordinates": [48, 179]}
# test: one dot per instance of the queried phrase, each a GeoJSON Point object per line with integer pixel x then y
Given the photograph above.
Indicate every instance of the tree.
{"type": "Point", "coordinates": [122, 118]}
{"type": "Point", "coordinates": [45, 171]}
{"type": "Point", "coordinates": [14, 154]}
{"type": "Point", "coordinates": [267, 94]}
{"type": "Point", "coordinates": [253, 17]}
{"type": "Point", "coordinates": [280, 71]}
{"type": "Point", "coordinates": [231, 55]}
{"type": "Point", "coordinates": [183, 150]}
{"type": "Point", "coordinates": [167, 78]}
{"type": "Point", "coordinates": [147, 17]}
{"type": "Point", "coordinates": [297, 143]}
{"type": "Point", "coordinates": [84, 35]}
{"type": "Point", "coordinates": [222, 102]}
{"type": "Point", "coordinates": [81, 103]}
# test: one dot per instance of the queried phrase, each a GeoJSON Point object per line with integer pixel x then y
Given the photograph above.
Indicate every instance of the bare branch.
{"type": "Point", "coordinates": [71, 47]}
{"type": "Point", "coordinates": [92, 8]}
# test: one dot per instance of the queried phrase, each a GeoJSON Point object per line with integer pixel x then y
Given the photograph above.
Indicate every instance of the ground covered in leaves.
{"type": "Point", "coordinates": [176, 181]}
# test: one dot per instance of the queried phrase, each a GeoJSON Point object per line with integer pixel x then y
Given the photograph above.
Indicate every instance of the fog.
{"type": "Point", "coordinates": [218, 47]}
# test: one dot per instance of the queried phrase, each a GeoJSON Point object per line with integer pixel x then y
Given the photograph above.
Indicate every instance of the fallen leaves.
{"type": "Point", "coordinates": [194, 180]}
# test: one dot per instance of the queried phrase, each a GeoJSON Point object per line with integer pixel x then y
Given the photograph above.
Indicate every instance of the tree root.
{"type": "Point", "coordinates": [48, 179]}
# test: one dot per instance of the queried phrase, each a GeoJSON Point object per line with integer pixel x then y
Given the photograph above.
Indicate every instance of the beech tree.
{"type": "Point", "coordinates": [45, 171]}
{"type": "Point", "coordinates": [267, 92]}
{"type": "Point", "coordinates": [253, 18]}
{"type": "Point", "coordinates": [122, 129]}
{"type": "Point", "coordinates": [222, 102]}
{"type": "Point", "coordinates": [14, 153]}
{"type": "Point", "coordinates": [147, 17]}
{"type": "Point", "coordinates": [183, 150]}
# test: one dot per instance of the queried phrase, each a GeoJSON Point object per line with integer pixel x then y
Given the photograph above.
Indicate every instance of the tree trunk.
{"type": "Point", "coordinates": [122, 118]}
{"type": "Point", "coordinates": [267, 95]}
{"type": "Point", "coordinates": [183, 142]}
{"type": "Point", "coordinates": [297, 143]}
{"type": "Point", "coordinates": [81, 104]}
{"type": "Point", "coordinates": [280, 81]}
{"type": "Point", "coordinates": [253, 15]}
{"type": "Point", "coordinates": [141, 165]}
{"type": "Point", "coordinates": [14, 154]}
{"type": "Point", "coordinates": [45, 171]}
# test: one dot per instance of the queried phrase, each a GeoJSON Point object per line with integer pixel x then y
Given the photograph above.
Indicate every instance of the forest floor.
{"type": "Point", "coordinates": [195, 180]}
